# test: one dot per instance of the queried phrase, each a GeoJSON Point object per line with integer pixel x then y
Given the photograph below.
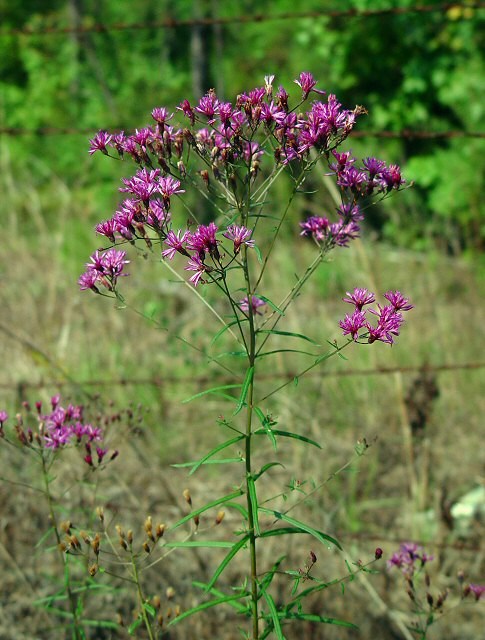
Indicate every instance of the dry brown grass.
{"type": "Point", "coordinates": [401, 489]}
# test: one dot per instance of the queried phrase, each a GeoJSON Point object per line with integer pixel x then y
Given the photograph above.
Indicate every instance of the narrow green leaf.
{"type": "Point", "coordinates": [134, 626]}
{"type": "Point", "coordinates": [224, 329]}
{"type": "Point", "coordinates": [216, 390]}
{"type": "Point", "coordinates": [221, 447]}
{"type": "Point", "coordinates": [290, 334]}
{"type": "Point", "coordinates": [274, 615]}
{"type": "Point", "coordinates": [223, 544]}
{"type": "Point", "coordinates": [254, 504]}
{"type": "Point", "coordinates": [319, 535]}
{"type": "Point", "coordinates": [265, 468]}
{"type": "Point", "coordinates": [181, 465]}
{"type": "Point", "coordinates": [206, 507]}
{"type": "Point", "coordinates": [271, 353]}
{"type": "Point", "coordinates": [201, 607]}
{"type": "Point", "coordinates": [235, 604]}
{"type": "Point", "coordinates": [150, 609]}
{"type": "Point", "coordinates": [244, 391]}
{"type": "Point", "coordinates": [271, 304]}
{"type": "Point", "coordinates": [258, 253]}
{"type": "Point", "coordinates": [288, 434]}
{"type": "Point", "coordinates": [313, 617]}
{"type": "Point", "coordinates": [227, 559]}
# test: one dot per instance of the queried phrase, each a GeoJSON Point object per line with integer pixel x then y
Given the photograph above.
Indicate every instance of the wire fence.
{"type": "Point", "coordinates": [463, 11]}
{"type": "Point", "coordinates": [161, 381]}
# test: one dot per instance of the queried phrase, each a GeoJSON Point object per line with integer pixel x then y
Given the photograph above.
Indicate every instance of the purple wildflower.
{"type": "Point", "coordinates": [391, 178]}
{"type": "Point", "coordinates": [398, 301]}
{"type": "Point", "coordinates": [176, 243]}
{"type": "Point", "coordinates": [359, 298]}
{"type": "Point", "coordinates": [351, 325]}
{"type": "Point", "coordinates": [107, 228]}
{"type": "Point", "coordinates": [306, 82]}
{"type": "Point", "coordinates": [196, 264]}
{"type": "Point", "coordinates": [478, 590]}
{"type": "Point", "coordinates": [99, 143]}
{"type": "Point", "coordinates": [143, 184]}
{"type": "Point", "coordinates": [208, 106]}
{"type": "Point", "coordinates": [408, 558]}
{"type": "Point", "coordinates": [161, 115]}
{"type": "Point", "coordinates": [256, 303]}
{"type": "Point", "coordinates": [203, 240]}
{"type": "Point", "coordinates": [239, 235]}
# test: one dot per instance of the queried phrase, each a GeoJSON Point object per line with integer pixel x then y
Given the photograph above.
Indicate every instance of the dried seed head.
{"type": "Point", "coordinates": [169, 612]}
{"type": "Point", "coordinates": [100, 513]}
{"type": "Point", "coordinates": [196, 520]}
{"type": "Point", "coordinates": [177, 611]}
{"type": "Point", "coordinates": [160, 620]}
{"type": "Point", "coordinates": [160, 530]}
{"type": "Point", "coordinates": [156, 602]}
{"type": "Point", "coordinates": [95, 543]}
{"type": "Point", "coordinates": [313, 557]}
{"type": "Point", "coordinates": [129, 536]}
{"type": "Point", "coordinates": [123, 544]}
{"type": "Point", "coordinates": [85, 537]}
{"type": "Point", "coordinates": [66, 526]}
{"type": "Point", "coordinates": [429, 599]}
{"type": "Point", "coordinates": [187, 497]}
{"type": "Point", "coordinates": [93, 569]}
{"type": "Point", "coordinates": [120, 531]}
{"type": "Point", "coordinates": [74, 542]}
{"type": "Point", "coordinates": [220, 517]}
{"type": "Point", "coordinates": [146, 547]}
{"type": "Point", "coordinates": [170, 593]}
{"type": "Point", "coordinates": [148, 524]}
{"type": "Point", "coordinates": [62, 547]}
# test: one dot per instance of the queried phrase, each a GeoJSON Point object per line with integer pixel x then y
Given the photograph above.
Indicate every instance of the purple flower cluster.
{"type": "Point", "coordinates": [409, 558]}
{"type": "Point", "coordinates": [329, 234]}
{"type": "Point", "coordinates": [231, 140]}
{"type": "Point", "coordinates": [203, 243]}
{"type": "Point", "coordinates": [105, 268]}
{"type": "Point", "coordinates": [60, 427]}
{"type": "Point", "coordinates": [389, 317]}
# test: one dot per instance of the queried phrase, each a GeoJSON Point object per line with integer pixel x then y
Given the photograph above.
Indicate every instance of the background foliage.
{"type": "Point", "coordinates": [419, 71]}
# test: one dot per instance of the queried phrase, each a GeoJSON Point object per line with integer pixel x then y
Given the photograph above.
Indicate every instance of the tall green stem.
{"type": "Point", "coordinates": [250, 491]}
{"type": "Point", "coordinates": [70, 596]}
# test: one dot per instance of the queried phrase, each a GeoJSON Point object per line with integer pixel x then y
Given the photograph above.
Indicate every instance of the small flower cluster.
{"type": "Point", "coordinates": [329, 234]}
{"type": "Point", "coordinates": [104, 268]}
{"type": "Point", "coordinates": [59, 428]}
{"type": "Point", "coordinates": [409, 558]}
{"type": "Point", "coordinates": [389, 317]}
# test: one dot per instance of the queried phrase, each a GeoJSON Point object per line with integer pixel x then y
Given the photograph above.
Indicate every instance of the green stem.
{"type": "Point", "coordinates": [141, 598]}
{"type": "Point", "coordinates": [250, 492]}
{"type": "Point", "coordinates": [65, 565]}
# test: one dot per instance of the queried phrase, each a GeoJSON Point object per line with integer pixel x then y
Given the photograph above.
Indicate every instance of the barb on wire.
{"type": "Point", "coordinates": [170, 23]}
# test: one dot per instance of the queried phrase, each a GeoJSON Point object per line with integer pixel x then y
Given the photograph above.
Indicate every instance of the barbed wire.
{"type": "Point", "coordinates": [172, 23]}
{"type": "Point", "coordinates": [157, 381]}
{"type": "Point", "coordinates": [407, 134]}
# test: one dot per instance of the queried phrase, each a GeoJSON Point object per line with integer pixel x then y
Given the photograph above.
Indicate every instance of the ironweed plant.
{"type": "Point", "coordinates": [231, 154]}
{"type": "Point", "coordinates": [428, 606]}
